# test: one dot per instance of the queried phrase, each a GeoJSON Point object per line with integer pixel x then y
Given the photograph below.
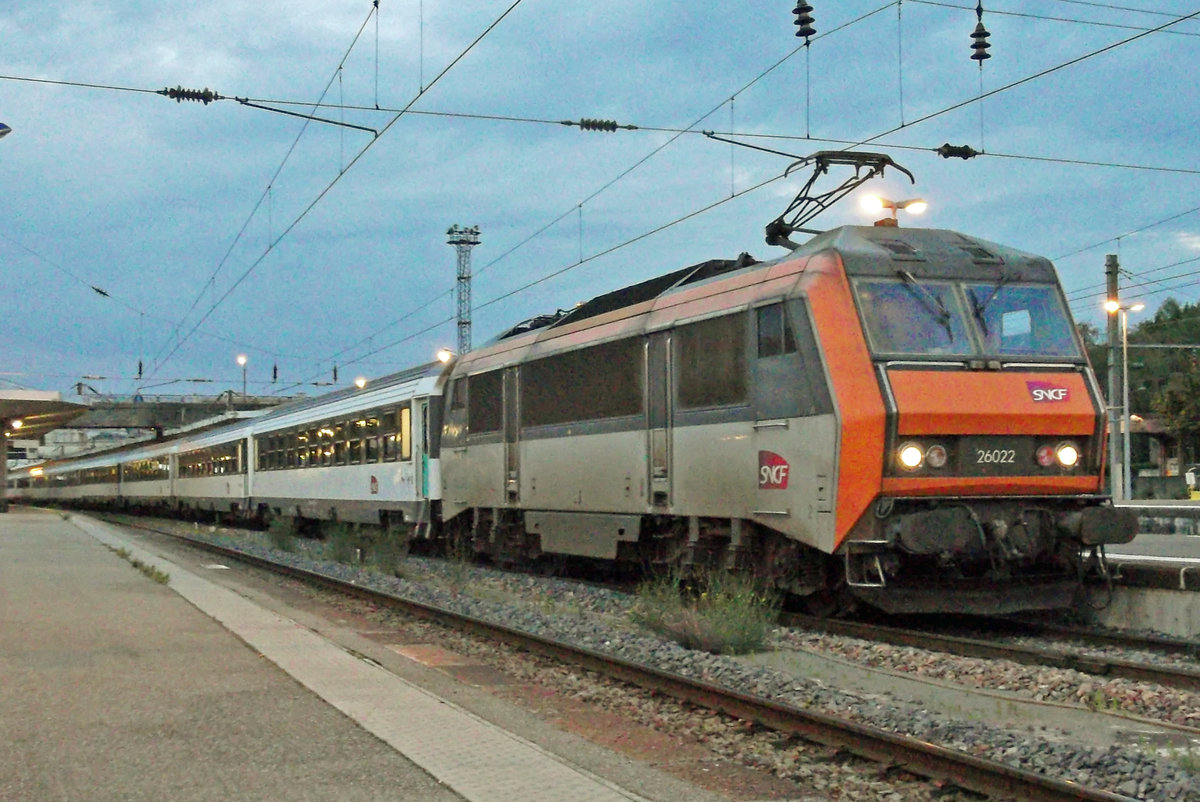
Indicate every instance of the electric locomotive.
{"type": "Point", "coordinates": [901, 417]}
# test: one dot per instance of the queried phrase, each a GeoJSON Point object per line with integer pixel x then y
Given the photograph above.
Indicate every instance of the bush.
{"type": "Point", "coordinates": [721, 613]}
{"type": "Point", "coordinates": [343, 543]}
{"type": "Point", "coordinates": [281, 532]}
{"type": "Point", "coordinates": [388, 550]}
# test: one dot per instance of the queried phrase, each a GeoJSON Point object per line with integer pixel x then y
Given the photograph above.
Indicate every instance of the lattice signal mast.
{"type": "Point", "coordinates": [463, 240]}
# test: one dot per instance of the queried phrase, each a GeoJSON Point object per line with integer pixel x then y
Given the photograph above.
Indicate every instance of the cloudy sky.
{"type": "Point", "coordinates": [209, 230]}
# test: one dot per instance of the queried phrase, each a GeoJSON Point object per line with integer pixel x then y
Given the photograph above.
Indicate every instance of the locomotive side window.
{"type": "Point", "coordinates": [775, 336]}
{"type": "Point", "coordinates": [458, 394]}
{"type": "Point", "coordinates": [485, 402]}
{"type": "Point", "coordinates": [711, 366]}
{"type": "Point", "coordinates": [604, 381]}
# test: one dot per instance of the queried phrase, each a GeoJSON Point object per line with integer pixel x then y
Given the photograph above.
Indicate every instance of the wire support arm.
{"type": "Point", "coordinates": [247, 102]}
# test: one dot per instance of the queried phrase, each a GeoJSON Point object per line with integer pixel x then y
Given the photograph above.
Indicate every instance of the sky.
{"type": "Point", "coordinates": [135, 229]}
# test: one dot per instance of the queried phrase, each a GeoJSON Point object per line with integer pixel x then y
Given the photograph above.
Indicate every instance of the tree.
{"type": "Point", "coordinates": [1169, 380]}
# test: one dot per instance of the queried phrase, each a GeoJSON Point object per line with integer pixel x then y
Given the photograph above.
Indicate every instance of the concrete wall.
{"type": "Point", "coordinates": [1171, 612]}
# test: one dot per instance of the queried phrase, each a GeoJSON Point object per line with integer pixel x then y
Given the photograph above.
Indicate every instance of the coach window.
{"type": "Point", "coordinates": [358, 428]}
{"type": "Point", "coordinates": [405, 433]}
{"type": "Point", "coordinates": [774, 332]}
{"type": "Point", "coordinates": [314, 448]}
{"type": "Point", "coordinates": [712, 362]}
{"type": "Point", "coordinates": [302, 444]}
{"type": "Point", "coordinates": [371, 433]}
{"type": "Point", "coordinates": [340, 447]}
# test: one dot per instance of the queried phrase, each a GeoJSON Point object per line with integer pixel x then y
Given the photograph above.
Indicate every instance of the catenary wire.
{"type": "Point", "coordinates": [925, 118]}
{"type": "Point", "coordinates": [305, 211]}
{"type": "Point", "coordinates": [211, 281]}
{"type": "Point", "coordinates": [1044, 18]}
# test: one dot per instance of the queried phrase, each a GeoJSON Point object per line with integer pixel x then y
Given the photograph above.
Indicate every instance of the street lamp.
{"type": "Point", "coordinates": [241, 360]}
{"type": "Point", "coordinates": [875, 203]}
{"type": "Point", "coordinates": [444, 355]}
{"type": "Point", "coordinates": [360, 382]}
{"type": "Point", "coordinates": [1115, 307]}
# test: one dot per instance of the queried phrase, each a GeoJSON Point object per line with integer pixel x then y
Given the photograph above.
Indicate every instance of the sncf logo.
{"type": "Point", "coordinates": [772, 471]}
{"type": "Point", "coordinates": [1045, 391]}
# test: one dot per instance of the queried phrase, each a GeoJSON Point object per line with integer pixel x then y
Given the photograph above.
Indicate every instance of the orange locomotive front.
{"type": "Point", "coordinates": [982, 488]}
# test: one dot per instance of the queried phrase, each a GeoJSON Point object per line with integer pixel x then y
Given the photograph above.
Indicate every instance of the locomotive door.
{"type": "Point", "coordinates": [512, 445]}
{"type": "Point", "coordinates": [774, 370]}
{"type": "Point", "coordinates": [658, 416]}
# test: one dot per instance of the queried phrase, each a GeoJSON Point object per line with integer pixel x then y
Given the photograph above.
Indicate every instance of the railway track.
{"type": "Point", "coordinates": [896, 752]}
{"type": "Point", "coordinates": [1171, 676]}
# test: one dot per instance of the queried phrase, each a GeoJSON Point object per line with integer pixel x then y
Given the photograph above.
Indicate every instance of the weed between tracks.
{"type": "Point", "coordinates": [720, 613]}
{"type": "Point", "coordinates": [382, 550]}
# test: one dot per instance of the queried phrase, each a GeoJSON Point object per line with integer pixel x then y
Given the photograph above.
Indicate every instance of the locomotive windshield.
{"type": "Point", "coordinates": [922, 317]}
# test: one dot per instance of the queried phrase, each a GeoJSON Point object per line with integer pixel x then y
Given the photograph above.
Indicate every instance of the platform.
{"type": "Point", "coordinates": [117, 687]}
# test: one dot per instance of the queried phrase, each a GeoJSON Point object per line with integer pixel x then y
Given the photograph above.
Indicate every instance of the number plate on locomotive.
{"type": "Point", "coordinates": [995, 456]}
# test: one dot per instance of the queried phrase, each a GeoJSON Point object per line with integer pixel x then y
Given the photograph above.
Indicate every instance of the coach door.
{"type": "Point", "coordinates": [420, 446]}
{"type": "Point", "coordinates": [658, 417]}
{"type": "Point", "coordinates": [512, 428]}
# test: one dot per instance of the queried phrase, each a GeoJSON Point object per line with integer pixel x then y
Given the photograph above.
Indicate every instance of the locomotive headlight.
{"type": "Point", "coordinates": [1068, 455]}
{"type": "Point", "coordinates": [911, 456]}
{"type": "Point", "coordinates": [936, 456]}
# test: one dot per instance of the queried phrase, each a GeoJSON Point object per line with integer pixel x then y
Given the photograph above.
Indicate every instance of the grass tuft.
{"type": "Point", "coordinates": [281, 533]}
{"type": "Point", "coordinates": [161, 577]}
{"type": "Point", "coordinates": [721, 613]}
{"type": "Point", "coordinates": [387, 551]}
{"type": "Point", "coordinates": [343, 543]}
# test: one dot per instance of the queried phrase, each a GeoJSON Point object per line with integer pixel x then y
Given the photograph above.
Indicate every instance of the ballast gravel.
{"type": "Point", "coordinates": [598, 618]}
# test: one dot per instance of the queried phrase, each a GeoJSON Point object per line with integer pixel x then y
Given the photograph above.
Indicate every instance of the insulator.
{"type": "Point", "coordinates": [588, 124]}
{"type": "Point", "coordinates": [179, 94]}
{"type": "Point", "coordinates": [804, 20]}
{"type": "Point", "coordinates": [948, 151]}
{"type": "Point", "coordinates": [980, 45]}
{"type": "Point", "coordinates": [274, 373]}
{"type": "Point", "coordinates": [139, 368]}
{"type": "Point", "coordinates": [335, 374]}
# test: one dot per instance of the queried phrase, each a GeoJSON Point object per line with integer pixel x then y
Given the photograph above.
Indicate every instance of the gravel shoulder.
{"type": "Point", "coordinates": [1140, 766]}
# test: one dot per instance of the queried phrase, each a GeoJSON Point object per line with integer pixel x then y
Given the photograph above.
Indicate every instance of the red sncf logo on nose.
{"type": "Point", "coordinates": [1045, 391]}
{"type": "Point", "coordinates": [772, 471]}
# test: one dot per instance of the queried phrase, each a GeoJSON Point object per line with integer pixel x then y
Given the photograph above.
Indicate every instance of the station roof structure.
{"type": "Point", "coordinates": [39, 412]}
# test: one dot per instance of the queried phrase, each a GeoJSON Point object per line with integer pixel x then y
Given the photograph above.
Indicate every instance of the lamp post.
{"type": "Point", "coordinates": [875, 203]}
{"type": "Point", "coordinates": [241, 360]}
{"type": "Point", "coordinates": [1115, 307]}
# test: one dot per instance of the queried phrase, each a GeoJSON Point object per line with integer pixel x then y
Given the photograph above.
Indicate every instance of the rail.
{"type": "Point", "coordinates": [922, 758]}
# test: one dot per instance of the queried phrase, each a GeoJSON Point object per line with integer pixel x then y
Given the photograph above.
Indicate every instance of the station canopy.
{"type": "Point", "coordinates": [31, 414]}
